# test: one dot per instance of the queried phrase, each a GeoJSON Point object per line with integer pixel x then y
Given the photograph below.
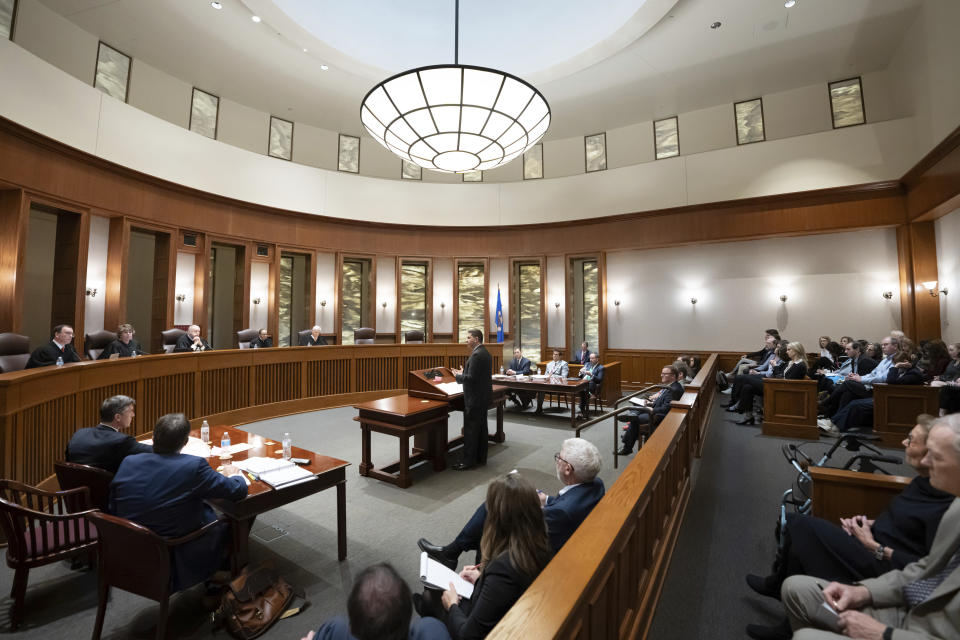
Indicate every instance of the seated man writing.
{"type": "Point", "coordinates": [166, 491]}
{"type": "Point", "coordinates": [106, 445]}
{"type": "Point", "coordinates": [660, 405]}
{"type": "Point", "coordinates": [577, 466]}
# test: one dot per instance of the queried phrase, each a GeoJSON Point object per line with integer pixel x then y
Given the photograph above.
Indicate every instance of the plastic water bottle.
{"type": "Point", "coordinates": [205, 432]}
{"type": "Point", "coordinates": [225, 441]}
{"type": "Point", "coordinates": [59, 361]}
{"type": "Point", "coordinates": [256, 346]}
{"type": "Point", "coordinates": [287, 447]}
{"type": "Point", "coordinates": [538, 369]}
{"type": "Point", "coordinates": [501, 369]}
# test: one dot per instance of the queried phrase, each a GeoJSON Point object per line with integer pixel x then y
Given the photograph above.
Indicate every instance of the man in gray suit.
{"type": "Point", "coordinates": [922, 600]}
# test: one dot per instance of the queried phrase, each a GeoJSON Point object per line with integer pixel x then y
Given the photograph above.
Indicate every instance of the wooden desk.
{"type": "Point", "coordinates": [261, 497]}
{"type": "Point", "coordinates": [419, 385]}
{"type": "Point", "coordinates": [569, 387]}
{"type": "Point", "coordinates": [404, 416]}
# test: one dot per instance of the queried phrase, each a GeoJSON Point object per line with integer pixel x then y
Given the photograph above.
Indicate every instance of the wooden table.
{"type": "Point", "coordinates": [261, 497]}
{"type": "Point", "coordinates": [404, 416]}
{"type": "Point", "coordinates": [569, 387]}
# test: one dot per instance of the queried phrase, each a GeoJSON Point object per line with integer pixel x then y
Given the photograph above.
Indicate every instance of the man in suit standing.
{"type": "Point", "coordinates": [593, 372]}
{"type": "Point", "coordinates": [577, 466]}
{"type": "Point", "coordinates": [582, 356]}
{"type": "Point", "coordinates": [519, 366]}
{"type": "Point", "coordinates": [59, 347]}
{"type": "Point", "coordinates": [660, 405]}
{"type": "Point", "coordinates": [922, 600]}
{"type": "Point", "coordinates": [262, 341]}
{"type": "Point", "coordinates": [476, 378]}
{"type": "Point", "coordinates": [191, 341]}
{"type": "Point", "coordinates": [106, 445]}
{"type": "Point", "coordinates": [166, 491]}
{"type": "Point", "coordinates": [314, 339]}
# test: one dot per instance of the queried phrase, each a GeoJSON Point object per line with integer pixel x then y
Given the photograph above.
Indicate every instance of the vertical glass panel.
{"type": "Point", "coordinates": [203, 113]}
{"type": "Point", "coordinates": [528, 315]}
{"type": "Point", "coordinates": [846, 103]}
{"type": "Point", "coordinates": [413, 298]}
{"type": "Point", "coordinates": [348, 158]}
{"type": "Point", "coordinates": [410, 170]}
{"type": "Point", "coordinates": [470, 301]}
{"type": "Point", "coordinates": [595, 148]}
{"type": "Point", "coordinates": [591, 303]}
{"type": "Point", "coordinates": [281, 138]}
{"type": "Point", "coordinates": [666, 136]}
{"type": "Point", "coordinates": [533, 163]}
{"type": "Point", "coordinates": [284, 299]}
{"type": "Point", "coordinates": [472, 176]}
{"type": "Point", "coordinates": [6, 17]}
{"type": "Point", "coordinates": [355, 298]}
{"type": "Point", "coordinates": [749, 115]}
{"type": "Point", "coordinates": [113, 71]}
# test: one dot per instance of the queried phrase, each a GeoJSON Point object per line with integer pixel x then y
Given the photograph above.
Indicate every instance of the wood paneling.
{"type": "Point", "coordinates": [933, 184]}
{"type": "Point", "coordinates": [14, 217]}
{"type": "Point", "coordinates": [115, 296]}
{"type": "Point", "coordinates": [790, 408]}
{"type": "Point", "coordinates": [896, 407]}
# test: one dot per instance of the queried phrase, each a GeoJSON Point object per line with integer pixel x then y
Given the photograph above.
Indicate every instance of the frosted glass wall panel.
{"type": "Point", "coordinates": [595, 150]}
{"type": "Point", "coordinates": [281, 138]}
{"type": "Point", "coordinates": [666, 138]}
{"type": "Point", "coordinates": [355, 298]}
{"type": "Point", "coordinates": [749, 116]}
{"type": "Point", "coordinates": [410, 170]}
{"type": "Point", "coordinates": [113, 72]}
{"type": "Point", "coordinates": [528, 310]}
{"type": "Point", "coordinates": [348, 157]}
{"type": "Point", "coordinates": [470, 300]}
{"type": "Point", "coordinates": [533, 163]}
{"type": "Point", "coordinates": [846, 103]}
{"type": "Point", "coordinates": [6, 17]}
{"type": "Point", "coordinates": [413, 298]}
{"type": "Point", "coordinates": [204, 110]}
{"type": "Point", "coordinates": [473, 176]}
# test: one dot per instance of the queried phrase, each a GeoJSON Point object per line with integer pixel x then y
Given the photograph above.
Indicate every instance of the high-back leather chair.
{"type": "Point", "coordinates": [72, 475]}
{"type": "Point", "coordinates": [169, 339]}
{"type": "Point", "coordinates": [413, 337]}
{"type": "Point", "coordinates": [94, 343]}
{"type": "Point", "coordinates": [14, 352]}
{"type": "Point", "coordinates": [302, 336]}
{"type": "Point", "coordinates": [244, 336]}
{"type": "Point", "coordinates": [137, 560]}
{"type": "Point", "coordinates": [364, 335]}
{"type": "Point", "coordinates": [42, 527]}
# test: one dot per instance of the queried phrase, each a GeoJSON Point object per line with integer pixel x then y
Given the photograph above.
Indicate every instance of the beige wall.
{"type": "Point", "coordinates": [50, 36]}
{"type": "Point", "coordinates": [38, 277]}
{"type": "Point", "coordinates": [948, 273]}
{"type": "Point", "coordinates": [260, 288]}
{"type": "Point", "coordinates": [443, 294]}
{"type": "Point", "coordinates": [556, 292]}
{"type": "Point", "coordinates": [386, 292]}
{"type": "Point", "coordinates": [326, 283]}
{"type": "Point", "coordinates": [186, 268]}
{"type": "Point", "coordinates": [97, 275]}
{"type": "Point", "coordinates": [160, 94]}
{"type": "Point", "coordinates": [139, 311]}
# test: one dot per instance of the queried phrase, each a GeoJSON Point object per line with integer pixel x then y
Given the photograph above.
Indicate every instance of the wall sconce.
{"type": "Point", "coordinates": [323, 303]}
{"type": "Point", "coordinates": [181, 297]}
{"type": "Point", "coordinates": [887, 294]}
{"type": "Point", "coordinates": [556, 305]}
{"type": "Point", "coordinates": [783, 297]}
{"type": "Point", "coordinates": [256, 301]}
{"type": "Point", "coordinates": [693, 301]}
{"type": "Point", "coordinates": [384, 304]}
{"type": "Point", "coordinates": [931, 286]}
{"type": "Point", "coordinates": [91, 292]}
{"type": "Point", "coordinates": [616, 303]}
{"type": "Point", "coordinates": [443, 305]}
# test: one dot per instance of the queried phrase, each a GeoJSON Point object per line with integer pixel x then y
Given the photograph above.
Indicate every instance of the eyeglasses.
{"type": "Point", "coordinates": [557, 458]}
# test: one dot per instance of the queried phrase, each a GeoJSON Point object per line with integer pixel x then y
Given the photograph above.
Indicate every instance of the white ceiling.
{"type": "Point", "coordinates": [601, 65]}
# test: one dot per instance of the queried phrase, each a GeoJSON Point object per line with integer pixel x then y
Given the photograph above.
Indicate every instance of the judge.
{"type": "Point", "coordinates": [124, 346]}
{"type": "Point", "coordinates": [314, 339]}
{"type": "Point", "coordinates": [262, 341]}
{"type": "Point", "coordinates": [191, 341]}
{"type": "Point", "coordinates": [59, 347]}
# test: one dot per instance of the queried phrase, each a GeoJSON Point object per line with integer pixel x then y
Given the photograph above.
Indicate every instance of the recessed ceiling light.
{"type": "Point", "coordinates": [323, 67]}
{"type": "Point", "coordinates": [216, 5]}
{"type": "Point", "coordinates": [716, 25]}
{"type": "Point", "coordinates": [789, 3]}
{"type": "Point", "coordinates": [255, 18]}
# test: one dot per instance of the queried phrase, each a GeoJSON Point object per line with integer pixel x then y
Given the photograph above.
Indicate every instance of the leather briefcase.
{"type": "Point", "coordinates": [256, 599]}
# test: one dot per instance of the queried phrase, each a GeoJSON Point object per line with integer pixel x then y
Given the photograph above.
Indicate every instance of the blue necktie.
{"type": "Point", "coordinates": [916, 592]}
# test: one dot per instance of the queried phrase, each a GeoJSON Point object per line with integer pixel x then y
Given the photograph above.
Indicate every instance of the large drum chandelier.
{"type": "Point", "coordinates": [455, 118]}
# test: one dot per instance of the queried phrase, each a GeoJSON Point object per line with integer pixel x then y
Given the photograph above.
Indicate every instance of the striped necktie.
{"type": "Point", "coordinates": [916, 592]}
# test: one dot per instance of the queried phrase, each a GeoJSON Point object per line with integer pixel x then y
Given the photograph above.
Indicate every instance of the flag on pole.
{"type": "Point", "coordinates": [499, 317]}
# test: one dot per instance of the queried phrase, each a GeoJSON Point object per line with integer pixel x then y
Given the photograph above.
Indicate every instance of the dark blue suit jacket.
{"type": "Point", "coordinates": [338, 628]}
{"type": "Point", "coordinates": [521, 366]}
{"type": "Point", "coordinates": [564, 513]}
{"type": "Point", "coordinates": [166, 494]}
{"type": "Point", "coordinates": [104, 447]}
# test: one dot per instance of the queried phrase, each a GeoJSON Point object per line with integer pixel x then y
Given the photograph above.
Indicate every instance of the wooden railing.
{"type": "Point", "coordinates": [41, 408]}
{"type": "Point", "coordinates": [606, 580]}
{"type": "Point", "coordinates": [839, 493]}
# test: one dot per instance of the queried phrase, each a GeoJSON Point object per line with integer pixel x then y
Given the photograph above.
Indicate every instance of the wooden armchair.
{"type": "Point", "coordinates": [149, 576]}
{"type": "Point", "coordinates": [71, 475]}
{"type": "Point", "coordinates": [42, 527]}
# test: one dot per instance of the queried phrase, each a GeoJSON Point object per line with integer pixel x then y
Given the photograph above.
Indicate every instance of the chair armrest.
{"type": "Point", "coordinates": [172, 542]}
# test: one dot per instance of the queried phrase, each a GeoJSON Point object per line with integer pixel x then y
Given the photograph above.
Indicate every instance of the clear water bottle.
{"type": "Point", "coordinates": [501, 369]}
{"type": "Point", "coordinates": [59, 361]}
{"type": "Point", "coordinates": [256, 346]}
{"type": "Point", "coordinates": [205, 432]}
{"type": "Point", "coordinates": [287, 447]}
{"type": "Point", "coordinates": [538, 369]}
{"type": "Point", "coordinates": [225, 441]}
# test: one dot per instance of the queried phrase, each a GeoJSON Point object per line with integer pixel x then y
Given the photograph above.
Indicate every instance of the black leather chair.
{"type": "Point", "coordinates": [71, 475]}
{"type": "Point", "coordinates": [245, 336]}
{"type": "Point", "coordinates": [169, 339]}
{"type": "Point", "coordinates": [413, 337]}
{"type": "Point", "coordinates": [364, 335]}
{"type": "Point", "coordinates": [94, 343]}
{"type": "Point", "coordinates": [302, 336]}
{"type": "Point", "coordinates": [14, 352]}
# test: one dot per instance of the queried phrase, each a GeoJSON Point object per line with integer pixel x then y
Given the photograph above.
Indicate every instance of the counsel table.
{"type": "Point", "coordinates": [569, 387]}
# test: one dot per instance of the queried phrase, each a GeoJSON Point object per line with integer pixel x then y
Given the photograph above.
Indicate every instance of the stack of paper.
{"type": "Point", "coordinates": [437, 576]}
{"type": "Point", "coordinates": [450, 388]}
{"type": "Point", "coordinates": [276, 473]}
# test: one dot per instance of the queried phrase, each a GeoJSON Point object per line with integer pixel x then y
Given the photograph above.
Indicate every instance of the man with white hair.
{"type": "Point", "coordinates": [577, 466]}
{"type": "Point", "coordinates": [191, 341]}
{"type": "Point", "coordinates": [922, 600]}
{"type": "Point", "coordinates": [314, 339]}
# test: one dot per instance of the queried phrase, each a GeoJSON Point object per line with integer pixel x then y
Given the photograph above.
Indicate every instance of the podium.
{"type": "Point", "coordinates": [439, 384]}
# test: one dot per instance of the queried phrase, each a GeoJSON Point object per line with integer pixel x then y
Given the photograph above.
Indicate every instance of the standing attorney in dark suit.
{"type": "Point", "coordinates": [191, 341]}
{"type": "Point", "coordinates": [106, 445]}
{"type": "Point", "coordinates": [314, 339]}
{"type": "Point", "coordinates": [166, 491]}
{"type": "Point", "coordinates": [582, 356]}
{"type": "Point", "coordinates": [124, 346]}
{"type": "Point", "coordinates": [59, 347]}
{"type": "Point", "coordinates": [476, 378]}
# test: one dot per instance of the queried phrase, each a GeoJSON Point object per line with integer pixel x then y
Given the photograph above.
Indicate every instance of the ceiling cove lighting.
{"type": "Point", "coordinates": [789, 3]}
{"type": "Point", "coordinates": [455, 118]}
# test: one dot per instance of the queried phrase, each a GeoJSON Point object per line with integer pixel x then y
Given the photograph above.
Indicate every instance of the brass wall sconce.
{"type": "Point", "coordinates": [556, 305]}
{"type": "Point", "coordinates": [887, 294]}
{"type": "Point", "coordinates": [323, 303]}
{"type": "Point", "coordinates": [616, 303]}
{"type": "Point", "coordinates": [256, 301]}
{"type": "Point", "coordinates": [783, 297]}
{"type": "Point", "coordinates": [693, 301]}
{"type": "Point", "coordinates": [91, 292]}
{"type": "Point", "coordinates": [180, 297]}
{"type": "Point", "coordinates": [443, 305]}
{"type": "Point", "coordinates": [931, 286]}
{"type": "Point", "coordinates": [384, 304]}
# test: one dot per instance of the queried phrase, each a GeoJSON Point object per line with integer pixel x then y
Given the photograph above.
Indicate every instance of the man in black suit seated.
{"type": "Point", "coordinates": [582, 356]}
{"type": "Point", "coordinates": [59, 347]}
{"type": "Point", "coordinates": [577, 466]}
{"type": "Point", "coordinates": [262, 341]}
{"type": "Point", "coordinates": [379, 607]}
{"type": "Point", "coordinates": [124, 346]}
{"type": "Point", "coordinates": [191, 341]}
{"type": "Point", "coordinates": [593, 372]}
{"type": "Point", "coordinates": [519, 366]}
{"type": "Point", "coordinates": [314, 339]}
{"type": "Point", "coordinates": [106, 445]}
{"type": "Point", "coordinates": [660, 405]}
{"type": "Point", "coordinates": [476, 378]}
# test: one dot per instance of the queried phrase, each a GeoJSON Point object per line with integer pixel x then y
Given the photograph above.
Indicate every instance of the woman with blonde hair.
{"type": "Point", "coordinates": [792, 366]}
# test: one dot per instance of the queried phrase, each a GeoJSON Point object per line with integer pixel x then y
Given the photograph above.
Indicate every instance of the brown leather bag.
{"type": "Point", "coordinates": [256, 599]}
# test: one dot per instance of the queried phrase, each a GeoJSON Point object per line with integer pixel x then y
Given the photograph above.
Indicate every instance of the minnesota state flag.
{"type": "Point", "coordinates": [499, 317]}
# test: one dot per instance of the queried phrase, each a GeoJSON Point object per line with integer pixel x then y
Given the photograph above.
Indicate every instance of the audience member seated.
{"type": "Point", "coordinates": [855, 362]}
{"type": "Point", "coordinates": [124, 346]}
{"type": "Point", "coordinates": [860, 385]}
{"type": "Point", "coordinates": [685, 375]}
{"type": "Point", "coordinates": [379, 608]}
{"type": "Point", "coordinates": [513, 550]}
{"type": "Point", "coordinates": [792, 366]}
{"type": "Point", "coordinates": [858, 547]}
{"type": "Point", "coordinates": [921, 600]}
{"type": "Point", "coordinates": [191, 341]}
{"type": "Point", "coordinates": [824, 351]}
{"type": "Point", "coordinates": [582, 356]}
{"type": "Point", "coordinates": [106, 445]}
{"type": "Point", "coordinates": [519, 366]}
{"type": "Point", "coordinates": [593, 373]}
{"type": "Point", "coordinates": [556, 368]}
{"type": "Point", "coordinates": [577, 466]}
{"type": "Point", "coordinates": [775, 358]}
{"type": "Point", "coordinates": [828, 364]}
{"type": "Point", "coordinates": [751, 360]}
{"type": "Point", "coordinates": [934, 359]}
{"type": "Point", "coordinates": [845, 340]}
{"type": "Point", "coordinates": [166, 491]}
{"type": "Point", "coordinates": [873, 351]}
{"type": "Point", "coordinates": [693, 362]}
{"type": "Point", "coordinates": [658, 402]}
{"type": "Point", "coordinates": [59, 347]}
{"type": "Point", "coordinates": [948, 382]}
{"type": "Point", "coordinates": [263, 340]}
{"type": "Point", "coordinates": [313, 339]}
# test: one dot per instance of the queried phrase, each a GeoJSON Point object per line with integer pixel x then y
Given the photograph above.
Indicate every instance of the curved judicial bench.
{"type": "Point", "coordinates": [41, 408]}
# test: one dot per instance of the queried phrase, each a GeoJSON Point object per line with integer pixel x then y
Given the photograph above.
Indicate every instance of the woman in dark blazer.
{"type": "Point", "coordinates": [792, 366]}
{"type": "Point", "coordinates": [514, 548]}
